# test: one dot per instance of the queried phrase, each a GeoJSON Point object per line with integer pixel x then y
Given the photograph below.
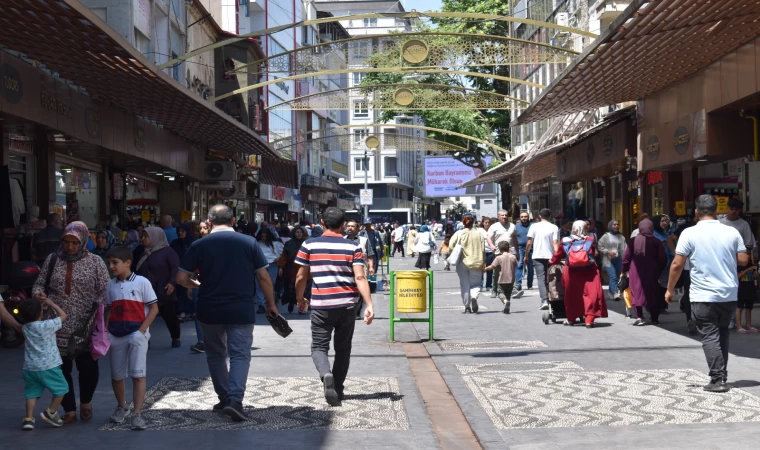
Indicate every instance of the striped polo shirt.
{"type": "Point", "coordinates": [331, 260]}
{"type": "Point", "coordinates": [129, 301]}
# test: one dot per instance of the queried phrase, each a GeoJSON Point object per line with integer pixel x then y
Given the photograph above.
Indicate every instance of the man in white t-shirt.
{"type": "Point", "coordinates": [501, 231]}
{"type": "Point", "coordinates": [398, 239]}
{"type": "Point", "coordinates": [543, 239]}
{"type": "Point", "coordinates": [713, 251]}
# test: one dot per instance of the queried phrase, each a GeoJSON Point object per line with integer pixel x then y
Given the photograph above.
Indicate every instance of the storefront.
{"type": "Point", "coordinates": [78, 192]}
{"type": "Point", "coordinates": [142, 201]}
{"type": "Point", "coordinates": [273, 198]}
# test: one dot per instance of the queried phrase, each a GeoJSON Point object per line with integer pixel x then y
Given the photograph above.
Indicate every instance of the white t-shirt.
{"type": "Point", "coordinates": [544, 235]}
{"type": "Point", "coordinates": [745, 231]}
{"type": "Point", "coordinates": [498, 233]}
{"type": "Point", "coordinates": [712, 248]}
{"type": "Point", "coordinates": [398, 234]}
{"type": "Point", "coordinates": [485, 241]}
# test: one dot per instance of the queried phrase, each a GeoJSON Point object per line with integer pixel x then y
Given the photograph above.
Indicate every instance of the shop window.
{"type": "Point", "coordinates": [657, 201]}
{"type": "Point", "coordinates": [77, 194]}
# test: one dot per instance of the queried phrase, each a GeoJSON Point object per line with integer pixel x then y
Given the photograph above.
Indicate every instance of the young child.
{"type": "Point", "coordinates": [42, 361]}
{"type": "Point", "coordinates": [444, 253]}
{"type": "Point", "coordinates": [746, 300]}
{"type": "Point", "coordinates": [507, 264]}
{"type": "Point", "coordinates": [132, 306]}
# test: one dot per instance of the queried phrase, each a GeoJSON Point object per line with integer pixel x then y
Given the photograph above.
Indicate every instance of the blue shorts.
{"type": "Point", "coordinates": [52, 379]}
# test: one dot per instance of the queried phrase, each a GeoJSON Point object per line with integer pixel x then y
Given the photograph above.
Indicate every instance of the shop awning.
{"type": "Point", "coordinates": [495, 175]}
{"type": "Point", "coordinates": [279, 172]}
{"type": "Point", "coordinates": [68, 39]}
{"type": "Point", "coordinates": [653, 44]}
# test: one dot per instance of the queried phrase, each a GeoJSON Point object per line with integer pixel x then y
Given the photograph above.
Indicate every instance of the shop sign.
{"type": "Point", "coordinates": [680, 208]}
{"type": "Point", "coordinates": [634, 185]}
{"type": "Point", "coordinates": [254, 162]}
{"type": "Point", "coordinates": [184, 216]}
{"type": "Point", "coordinates": [145, 215]}
{"type": "Point", "coordinates": [278, 193]}
{"type": "Point", "coordinates": [607, 145]}
{"type": "Point", "coordinates": [118, 186]}
{"type": "Point", "coordinates": [590, 150]}
{"type": "Point", "coordinates": [51, 104]}
{"type": "Point", "coordinates": [139, 139]}
{"type": "Point", "coordinates": [681, 140]}
{"type": "Point", "coordinates": [654, 178]}
{"type": "Point", "coordinates": [722, 204]}
{"type": "Point", "coordinates": [21, 144]}
{"type": "Point", "coordinates": [365, 197]}
{"type": "Point", "coordinates": [295, 203]}
{"type": "Point", "coordinates": [92, 122]}
{"type": "Point", "coordinates": [12, 88]}
{"type": "Point", "coordinates": [652, 149]}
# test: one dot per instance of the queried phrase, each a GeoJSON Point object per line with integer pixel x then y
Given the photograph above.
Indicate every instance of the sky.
{"type": "Point", "coordinates": [422, 5]}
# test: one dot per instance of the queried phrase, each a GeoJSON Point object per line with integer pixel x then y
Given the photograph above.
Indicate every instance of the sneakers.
{"type": "Point", "coordinates": [198, 348]}
{"type": "Point", "coordinates": [331, 395]}
{"type": "Point", "coordinates": [51, 417]}
{"type": "Point", "coordinates": [639, 323]}
{"type": "Point", "coordinates": [718, 386]}
{"type": "Point", "coordinates": [518, 294]}
{"type": "Point", "coordinates": [234, 410]}
{"type": "Point", "coordinates": [120, 414]}
{"type": "Point", "coordinates": [692, 327]}
{"type": "Point", "coordinates": [506, 308]}
{"type": "Point", "coordinates": [474, 304]}
{"type": "Point", "coordinates": [28, 423]}
{"type": "Point", "coordinates": [732, 325]}
{"type": "Point", "coordinates": [176, 343]}
{"type": "Point", "coordinates": [544, 306]}
{"type": "Point", "coordinates": [138, 423]}
{"type": "Point", "coordinates": [493, 294]}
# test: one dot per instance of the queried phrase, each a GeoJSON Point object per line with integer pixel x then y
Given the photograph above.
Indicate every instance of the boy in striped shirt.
{"type": "Point", "coordinates": [336, 266]}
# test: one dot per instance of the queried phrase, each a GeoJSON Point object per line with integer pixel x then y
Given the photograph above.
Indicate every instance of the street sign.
{"type": "Point", "coordinates": [365, 197]}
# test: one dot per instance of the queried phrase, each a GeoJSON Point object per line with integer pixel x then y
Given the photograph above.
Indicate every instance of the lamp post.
{"type": "Point", "coordinates": [372, 142]}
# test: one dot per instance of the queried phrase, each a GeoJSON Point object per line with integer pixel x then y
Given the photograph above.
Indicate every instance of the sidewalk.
{"type": "Point", "coordinates": [519, 383]}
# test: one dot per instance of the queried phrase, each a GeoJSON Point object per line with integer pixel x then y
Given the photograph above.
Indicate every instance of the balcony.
{"type": "Point", "coordinates": [311, 181]}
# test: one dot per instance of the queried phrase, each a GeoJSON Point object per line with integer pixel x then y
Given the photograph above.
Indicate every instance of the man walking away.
{"type": "Point", "coordinates": [543, 239]}
{"type": "Point", "coordinates": [503, 230]}
{"type": "Point", "coordinates": [713, 251]}
{"type": "Point", "coordinates": [337, 269]}
{"type": "Point", "coordinates": [521, 230]}
{"type": "Point", "coordinates": [747, 291]}
{"type": "Point", "coordinates": [229, 266]}
{"type": "Point", "coordinates": [398, 239]}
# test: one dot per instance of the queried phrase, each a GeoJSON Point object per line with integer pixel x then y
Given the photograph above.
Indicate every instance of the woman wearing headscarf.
{"type": "Point", "coordinates": [662, 232]}
{"type": "Point", "coordinates": [584, 295]}
{"type": "Point", "coordinates": [612, 247]}
{"type": "Point", "coordinates": [470, 265]}
{"type": "Point", "coordinates": [103, 243]}
{"type": "Point", "coordinates": [272, 250]}
{"type": "Point", "coordinates": [180, 246]}
{"type": "Point", "coordinates": [643, 262]}
{"type": "Point", "coordinates": [287, 270]}
{"type": "Point", "coordinates": [133, 239]}
{"type": "Point", "coordinates": [410, 239]}
{"type": "Point", "coordinates": [159, 265]}
{"type": "Point", "coordinates": [424, 244]}
{"type": "Point", "coordinates": [78, 281]}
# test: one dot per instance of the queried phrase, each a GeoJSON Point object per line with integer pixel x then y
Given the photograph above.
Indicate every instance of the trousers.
{"type": "Point", "coordinates": [324, 322]}
{"type": "Point", "coordinates": [521, 268]}
{"type": "Point", "coordinates": [540, 266]}
{"type": "Point", "coordinates": [225, 342]}
{"type": "Point", "coordinates": [88, 380]}
{"type": "Point", "coordinates": [712, 320]}
{"type": "Point", "coordinates": [469, 283]}
{"type": "Point", "coordinates": [168, 312]}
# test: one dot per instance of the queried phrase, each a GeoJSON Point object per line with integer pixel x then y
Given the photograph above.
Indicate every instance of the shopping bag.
{"type": "Point", "coordinates": [436, 259]}
{"type": "Point", "coordinates": [99, 342]}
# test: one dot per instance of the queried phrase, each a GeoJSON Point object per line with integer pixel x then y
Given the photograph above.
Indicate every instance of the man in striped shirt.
{"type": "Point", "coordinates": [336, 266]}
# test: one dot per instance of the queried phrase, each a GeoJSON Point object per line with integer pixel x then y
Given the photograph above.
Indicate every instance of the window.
{"type": "Point", "coordinates": [358, 77]}
{"type": "Point", "coordinates": [360, 135]}
{"type": "Point", "coordinates": [361, 111]}
{"type": "Point", "coordinates": [143, 44]}
{"type": "Point", "coordinates": [391, 166]}
{"type": "Point", "coordinates": [360, 164]}
{"type": "Point", "coordinates": [370, 22]}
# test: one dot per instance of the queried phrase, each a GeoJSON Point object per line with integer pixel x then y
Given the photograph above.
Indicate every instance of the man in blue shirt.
{"type": "Point", "coordinates": [521, 231]}
{"type": "Point", "coordinates": [713, 250]}
{"type": "Point", "coordinates": [228, 265]}
{"type": "Point", "coordinates": [166, 225]}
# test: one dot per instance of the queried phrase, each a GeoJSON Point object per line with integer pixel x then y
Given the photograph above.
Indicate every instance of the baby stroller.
{"type": "Point", "coordinates": [556, 294]}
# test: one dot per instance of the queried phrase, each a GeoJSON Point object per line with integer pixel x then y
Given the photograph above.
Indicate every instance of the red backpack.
{"type": "Point", "coordinates": [580, 253]}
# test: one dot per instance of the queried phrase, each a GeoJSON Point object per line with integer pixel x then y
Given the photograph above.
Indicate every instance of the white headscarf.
{"type": "Point", "coordinates": [157, 242]}
{"type": "Point", "coordinates": [579, 230]}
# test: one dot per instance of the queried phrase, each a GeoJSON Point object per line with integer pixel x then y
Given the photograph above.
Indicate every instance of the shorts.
{"type": "Point", "coordinates": [129, 355]}
{"type": "Point", "coordinates": [51, 379]}
{"type": "Point", "coordinates": [747, 295]}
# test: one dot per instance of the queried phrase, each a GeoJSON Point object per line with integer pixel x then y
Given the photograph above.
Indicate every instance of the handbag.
{"type": "Point", "coordinates": [99, 342]}
{"type": "Point", "coordinates": [456, 252]}
{"type": "Point", "coordinates": [623, 284]}
{"type": "Point", "coordinates": [51, 266]}
{"type": "Point", "coordinates": [79, 341]}
{"type": "Point", "coordinates": [280, 325]}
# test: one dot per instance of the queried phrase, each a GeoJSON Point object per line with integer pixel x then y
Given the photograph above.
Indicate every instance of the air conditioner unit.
{"type": "Point", "coordinates": [562, 19]}
{"type": "Point", "coordinates": [238, 191]}
{"type": "Point", "coordinates": [219, 171]}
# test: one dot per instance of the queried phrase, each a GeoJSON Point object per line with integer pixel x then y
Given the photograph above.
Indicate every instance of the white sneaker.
{"type": "Point", "coordinates": [639, 323]}
{"type": "Point", "coordinates": [518, 294]}
{"type": "Point", "coordinates": [544, 306]}
{"type": "Point", "coordinates": [732, 325]}
{"type": "Point", "coordinates": [493, 294]}
{"type": "Point", "coordinates": [120, 414]}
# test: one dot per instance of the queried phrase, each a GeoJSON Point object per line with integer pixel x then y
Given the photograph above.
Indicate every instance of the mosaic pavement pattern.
{"type": "Point", "coordinates": [552, 399]}
{"type": "Point", "coordinates": [490, 345]}
{"type": "Point", "coordinates": [274, 404]}
{"type": "Point", "coordinates": [528, 366]}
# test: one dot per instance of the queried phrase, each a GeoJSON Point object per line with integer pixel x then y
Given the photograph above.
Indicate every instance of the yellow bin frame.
{"type": "Point", "coordinates": [418, 274]}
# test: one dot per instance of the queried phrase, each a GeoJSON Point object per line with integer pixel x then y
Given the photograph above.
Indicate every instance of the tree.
{"type": "Point", "coordinates": [457, 211]}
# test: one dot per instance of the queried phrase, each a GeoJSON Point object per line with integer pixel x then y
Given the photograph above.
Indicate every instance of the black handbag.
{"type": "Point", "coordinates": [79, 342]}
{"type": "Point", "coordinates": [280, 325]}
{"type": "Point", "coordinates": [623, 284]}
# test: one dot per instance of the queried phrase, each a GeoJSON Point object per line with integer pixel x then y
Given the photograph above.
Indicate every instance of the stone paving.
{"type": "Point", "coordinates": [520, 384]}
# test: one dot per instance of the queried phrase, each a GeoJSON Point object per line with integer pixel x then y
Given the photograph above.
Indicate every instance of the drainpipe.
{"type": "Point", "coordinates": [754, 132]}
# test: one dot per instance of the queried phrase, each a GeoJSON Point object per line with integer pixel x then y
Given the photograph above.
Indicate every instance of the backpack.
{"type": "Point", "coordinates": [580, 253]}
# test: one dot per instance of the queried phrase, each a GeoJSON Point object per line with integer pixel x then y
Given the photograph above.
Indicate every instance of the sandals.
{"type": "Point", "coordinates": [752, 330]}
{"type": "Point", "coordinates": [69, 418]}
{"type": "Point", "coordinates": [742, 331]}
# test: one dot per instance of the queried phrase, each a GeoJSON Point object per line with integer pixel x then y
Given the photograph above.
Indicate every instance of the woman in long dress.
{"type": "Point", "coordinates": [643, 262]}
{"type": "Point", "coordinates": [584, 295]}
{"type": "Point", "coordinates": [411, 235]}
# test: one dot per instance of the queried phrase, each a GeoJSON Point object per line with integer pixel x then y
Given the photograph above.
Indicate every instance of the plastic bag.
{"type": "Point", "coordinates": [99, 342]}
{"type": "Point", "coordinates": [436, 259]}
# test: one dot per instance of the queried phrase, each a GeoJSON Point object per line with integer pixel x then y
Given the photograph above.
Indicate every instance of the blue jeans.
{"type": "Point", "coordinates": [613, 272]}
{"type": "Point", "coordinates": [198, 331]}
{"type": "Point", "coordinates": [231, 342]}
{"type": "Point", "coordinates": [272, 270]}
{"type": "Point", "coordinates": [521, 269]}
{"type": "Point", "coordinates": [489, 275]}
